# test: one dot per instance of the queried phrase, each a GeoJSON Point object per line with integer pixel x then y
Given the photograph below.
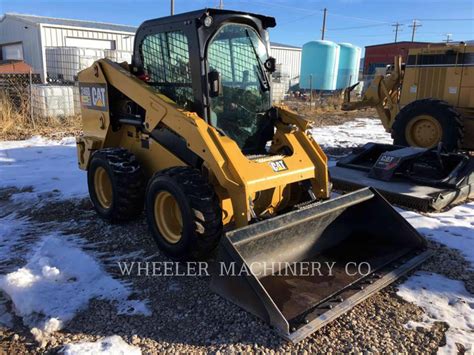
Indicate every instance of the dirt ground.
{"type": "Point", "coordinates": [58, 130]}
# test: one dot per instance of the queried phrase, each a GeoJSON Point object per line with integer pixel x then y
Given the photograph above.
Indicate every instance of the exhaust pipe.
{"type": "Point", "coordinates": [270, 268]}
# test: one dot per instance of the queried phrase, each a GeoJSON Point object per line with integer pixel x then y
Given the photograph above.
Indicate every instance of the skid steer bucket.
{"type": "Point", "coordinates": [279, 269]}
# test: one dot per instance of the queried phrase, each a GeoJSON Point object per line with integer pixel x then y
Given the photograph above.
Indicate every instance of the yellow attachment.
{"type": "Point", "coordinates": [424, 131]}
{"type": "Point", "coordinates": [382, 93]}
{"type": "Point", "coordinates": [103, 187]}
{"type": "Point", "coordinates": [168, 217]}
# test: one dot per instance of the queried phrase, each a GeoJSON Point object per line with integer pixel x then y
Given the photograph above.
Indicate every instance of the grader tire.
{"type": "Point", "coordinates": [424, 123]}
{"type": "Point", "coordinates": [183, 213]}
{"type": "Point", "coordinates": [116, 184]}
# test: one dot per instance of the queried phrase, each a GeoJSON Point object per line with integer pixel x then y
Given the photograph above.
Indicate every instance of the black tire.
{"type": "Point", "coordinates": [127, 182]}
{"type": "Point", "coordinates": [201, 213]}
{"type": "Point", "coordinates": [448, 118]}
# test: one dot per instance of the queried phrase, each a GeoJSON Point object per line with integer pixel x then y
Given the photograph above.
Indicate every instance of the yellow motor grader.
{"type": "Point", "coordinates": [427, 105]}
{"type": "Point", "coordinates": [187, 131]}
{"type": "Point", "coordinates": [427, 100]}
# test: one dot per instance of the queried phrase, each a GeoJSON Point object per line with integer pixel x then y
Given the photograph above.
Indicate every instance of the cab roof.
{"type": "Point", "coordinates": [267, 21]}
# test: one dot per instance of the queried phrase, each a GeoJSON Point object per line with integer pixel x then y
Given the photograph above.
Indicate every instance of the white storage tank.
{"type": "Point", "coordinates": [53, 100]}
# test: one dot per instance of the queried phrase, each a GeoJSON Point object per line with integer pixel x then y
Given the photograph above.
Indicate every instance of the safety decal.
{"type": "Point", "coordinates": [93, 96]}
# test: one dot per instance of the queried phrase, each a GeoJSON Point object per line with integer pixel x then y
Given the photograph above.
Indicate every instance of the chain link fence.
{"type": "Point", "coordinates": [27, 100]}
{"type": "Point", "coordinates": [25, 97]}
{"type": "Point", "coordinates": [16, 97]}
{"type": "Point", "coordinates": [64, 63]}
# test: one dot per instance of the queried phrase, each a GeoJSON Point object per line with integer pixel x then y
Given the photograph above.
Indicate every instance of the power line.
{"type": "Point", "coordinates": [356, 27]}
{"type": "Point", "coordinates": [299, 18]}
{"type": "Point", "coordinates": [386, 34]}
{"type": "Point", "coordinates": [446, 19]}
{"type": "Point", "coordinates": [360, 18]}
{"type": "Point", "coordinates": [397, 28]}
{"type": "Point", "coordinates": [448, 37]}
{"type": "Point", "coordinates": [414, 26]}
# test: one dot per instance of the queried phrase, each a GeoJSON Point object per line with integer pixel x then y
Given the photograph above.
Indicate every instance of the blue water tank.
{"type": "Point", "coordinates": [349, 64]}
{"type": "Point", "coordinates": [319, 59]}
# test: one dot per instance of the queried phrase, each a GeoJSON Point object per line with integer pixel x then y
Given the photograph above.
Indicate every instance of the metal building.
{"type": "Point", "coordinates": [289, 59]}
{"type": "Point", "coordinates": [31, 38]}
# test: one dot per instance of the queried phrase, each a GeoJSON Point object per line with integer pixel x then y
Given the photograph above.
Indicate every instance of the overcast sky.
{"type": "Point", "coordinates": [361, 22]}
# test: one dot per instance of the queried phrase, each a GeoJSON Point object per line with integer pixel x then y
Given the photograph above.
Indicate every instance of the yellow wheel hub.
{"type": "Point", "coordinates": [424, 131]}
{"type": "Point", "coordinates": [103, 187]}
{"type": "Point", "coordinates": [168, 217]}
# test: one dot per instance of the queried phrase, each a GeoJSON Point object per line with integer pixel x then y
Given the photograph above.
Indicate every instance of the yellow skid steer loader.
{"type": "Point", "coordinates": [188, 131]}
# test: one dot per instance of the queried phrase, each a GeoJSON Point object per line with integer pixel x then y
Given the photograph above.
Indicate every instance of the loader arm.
{"type": "Point", "coordinates": [382, 94]}
{"type": "Point", "coordinates": [240, 177]}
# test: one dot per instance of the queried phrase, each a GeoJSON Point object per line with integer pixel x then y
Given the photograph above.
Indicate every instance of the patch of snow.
{"type": "Point", "coordinates": [113, 345]}
{"type": "Point", "coordinates": [453, 228]}
{"type": "Point", "coordinates": [445, 300]}
{"type": "Point", "coordinates": [351, 134]}
{"type": "Point", "coordinates": [58, 281]}
{"type": "Point", "coordinates": [16, 239]}
{"type": "Point", "coordinates": [11, 230]}
{"type": "Point", "coordinates": [49, 167]}
{"type": "Point", "coordinates": [6, 318]}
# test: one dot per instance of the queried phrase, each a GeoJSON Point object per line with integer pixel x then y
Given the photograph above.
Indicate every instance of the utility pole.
{"type": "Point", "coordinates": [172, 7]}
{"type": "Point", "coordinates": [397, 28]}
{"type": "Point", "coordinates": [414, 26]}
{"type": "Point", "coordinates": [221, 4]}
{"type": "Point", "coordinates": [323, 31]}
{"type": "Point", "coordinates": [448, 37]}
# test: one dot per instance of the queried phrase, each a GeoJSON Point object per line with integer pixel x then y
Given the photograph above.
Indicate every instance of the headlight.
{"type": "Point", "coordinates": [207, 21]}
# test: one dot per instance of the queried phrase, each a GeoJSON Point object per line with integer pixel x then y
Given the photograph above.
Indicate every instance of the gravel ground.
{"type": "Point", "coordinates": [188, 316]}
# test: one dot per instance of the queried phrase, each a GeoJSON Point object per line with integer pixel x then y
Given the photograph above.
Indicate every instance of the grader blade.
{"type": "Point", "coordinates": [280, 269]}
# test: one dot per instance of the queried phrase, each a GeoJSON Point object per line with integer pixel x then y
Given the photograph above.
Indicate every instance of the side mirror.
{"type": "Point", "coordinates": [215, 86]}
{"type": "Point", "coordinates": [270, 64]}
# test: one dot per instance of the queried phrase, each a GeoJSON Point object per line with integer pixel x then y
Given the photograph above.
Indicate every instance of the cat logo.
{"type": "Point", "coordinates": [278, 165]}
{"type": "Point", "coordinates": [98, 96]}
{"type": "Point", "coordinates": [94, 96]}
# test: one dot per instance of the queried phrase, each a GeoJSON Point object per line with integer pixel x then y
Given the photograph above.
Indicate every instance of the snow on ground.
{"type": "Point", "coordinates": [6, 319]}
{"type": "Point", "coordinates": [445, 300]}
{"type": "Point", "coordinates": [453, 228]}
{"type": "Point", "coordinates": [58, 280]}
{"type": "Point", "coordinates": [113, 345]}
{"type": "Point", "coordinates": [12, 231]}
{"type": "Point", "coordinates": [351, 134]}
{"type": "Point", "coordinates": [49, 167]}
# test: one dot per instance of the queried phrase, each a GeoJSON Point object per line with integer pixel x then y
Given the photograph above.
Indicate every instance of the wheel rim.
{"type": "Point", "coordinates": [103, 187]}
{"type": "Point", "coordinates": [424, 131]}
{"type": "Point", "coordinates": [168, 217]}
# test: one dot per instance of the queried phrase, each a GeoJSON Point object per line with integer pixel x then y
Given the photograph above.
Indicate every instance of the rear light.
{"type": "Point", "coordinates": [144, 77]}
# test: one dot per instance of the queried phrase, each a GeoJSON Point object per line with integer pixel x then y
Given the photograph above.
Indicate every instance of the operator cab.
{"type": "Point", "coordinates": [215, 63]}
